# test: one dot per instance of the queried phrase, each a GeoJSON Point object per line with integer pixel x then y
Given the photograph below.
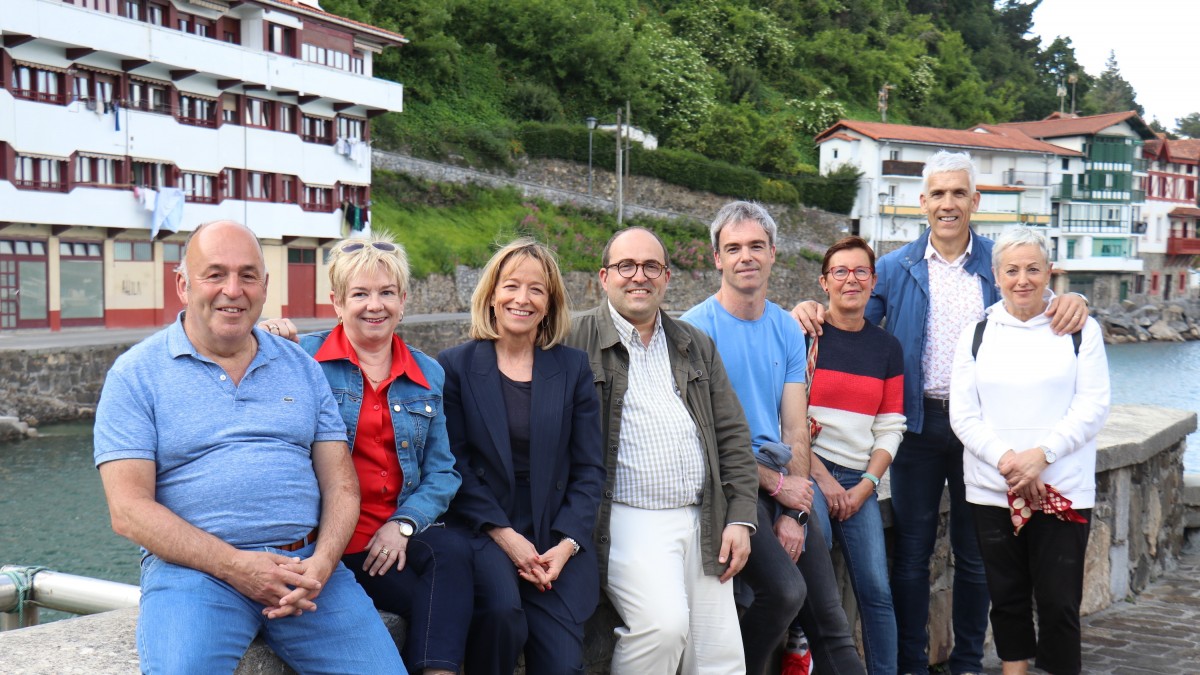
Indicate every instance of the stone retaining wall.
{"type": "Point", "coordinates": [1137, 532]}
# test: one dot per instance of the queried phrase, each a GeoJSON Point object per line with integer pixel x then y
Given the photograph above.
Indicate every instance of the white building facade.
{"type": "Point", "coordinates": [125, 124]}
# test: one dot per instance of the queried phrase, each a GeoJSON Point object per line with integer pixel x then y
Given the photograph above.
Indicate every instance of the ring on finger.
{"type": "Point", "coordinates": [384, 552]}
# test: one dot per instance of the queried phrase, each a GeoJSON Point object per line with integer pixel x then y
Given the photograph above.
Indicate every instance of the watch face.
{"type": "Point", "coordinates": [407, 529]}
{"type": "Point", "coordinates": [802, 518]}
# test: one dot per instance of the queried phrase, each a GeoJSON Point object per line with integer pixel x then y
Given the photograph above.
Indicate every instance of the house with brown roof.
{"type": "Point", "coordinates": [1099, 210]}
{"type": "Point", "coordinates": [1171, 240]}
{"type": "Point", "coordinates": [1015, 176]}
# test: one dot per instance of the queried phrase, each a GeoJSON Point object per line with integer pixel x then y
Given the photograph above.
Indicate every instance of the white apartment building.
{"type": "Point", "coordinates": [124, 124]}
{"type": "Point", "coordinates": [1014, 176]}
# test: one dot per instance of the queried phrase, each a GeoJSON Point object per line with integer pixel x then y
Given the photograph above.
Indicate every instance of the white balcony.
{"type": "Point", "coordinates": [167, 49]}
{"type": "Point", "coordinates": [1101, 264]}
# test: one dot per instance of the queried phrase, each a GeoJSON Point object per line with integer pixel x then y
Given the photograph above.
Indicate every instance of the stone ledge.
{"type": "Point", "coordinates": [1135, 433]}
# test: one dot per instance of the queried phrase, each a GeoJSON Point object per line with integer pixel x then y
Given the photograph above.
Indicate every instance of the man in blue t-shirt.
{"type": "Point", "coordinates": [223, 455]}
{"type": "Point", "coordinates": [763, 350]}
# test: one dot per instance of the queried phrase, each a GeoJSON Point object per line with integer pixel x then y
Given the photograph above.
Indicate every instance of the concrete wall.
{"type": "Point", "coordinates": [1137, 532]}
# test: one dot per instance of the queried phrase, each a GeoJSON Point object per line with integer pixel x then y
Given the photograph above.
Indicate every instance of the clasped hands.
{"type": "Point", "coordinates": [285, 586]}
{"type": "Point", "coordinates": [1022, 472]}
{"type": "Point", "coordinates": [539, 569]}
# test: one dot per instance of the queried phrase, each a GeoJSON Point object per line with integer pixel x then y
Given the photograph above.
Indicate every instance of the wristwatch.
{"type": "Point", "coordinates": [1050, 456]}
{"type": "Point", "coordinates": [574, 546]}
{"type": "Point", "coordinates": [800, 515]}
{"type": "Point", "coordinates": [407, 528]}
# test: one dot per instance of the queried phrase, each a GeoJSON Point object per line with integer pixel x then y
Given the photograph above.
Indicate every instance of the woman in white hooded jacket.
{"type": "Point", "coordinates": [1027, 405]}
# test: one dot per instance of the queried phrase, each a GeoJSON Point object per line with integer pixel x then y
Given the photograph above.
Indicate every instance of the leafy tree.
{"type": "Point", "coordinates": [1188, 125]}
{"type": "Point", "coordinates": [1111, 93]}
{"type": "Point", "coordinates": [1056, 65]}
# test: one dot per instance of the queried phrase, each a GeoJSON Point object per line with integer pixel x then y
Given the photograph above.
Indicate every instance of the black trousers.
{"type": "Point", "coordinates": [1044, 564]}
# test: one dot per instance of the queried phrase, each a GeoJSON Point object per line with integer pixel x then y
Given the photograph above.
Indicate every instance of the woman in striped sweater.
{"type": "Point", "coordinates": [857, 393]}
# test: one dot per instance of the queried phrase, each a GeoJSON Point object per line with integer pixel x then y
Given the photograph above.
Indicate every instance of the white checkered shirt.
{"type": "Point", "coordinates": [660, 463]}
{"type": "Point", "coordinates": [955, 300]}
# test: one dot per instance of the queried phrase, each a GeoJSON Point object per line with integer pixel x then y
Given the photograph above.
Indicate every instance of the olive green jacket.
{"type": "Point", "coordinates": [731, 487]}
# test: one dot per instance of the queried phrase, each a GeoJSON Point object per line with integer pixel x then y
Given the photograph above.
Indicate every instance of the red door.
{"type": "Point", "coordinates": [171, 302]}
{"type": "Point", "coordinates": [302, 283]}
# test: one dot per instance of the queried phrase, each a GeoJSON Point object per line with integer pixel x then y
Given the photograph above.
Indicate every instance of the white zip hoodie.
{"type": "Point", "coordinates": [1027, 388]}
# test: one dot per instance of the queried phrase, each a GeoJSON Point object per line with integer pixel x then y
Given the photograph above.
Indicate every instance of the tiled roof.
{"type": "Point", "coordinates": [1186, 150]}
{"type": "Point", "coordinates": [1185, 212]}
{"type": "Point", "coordinates": [999, 188]}
{"type": "Point", "coordinates": [1057, 126]}
{"type": "Point", "coordinates": [365, 28]}
{"type": "Point", "coordinates": [948, 138]}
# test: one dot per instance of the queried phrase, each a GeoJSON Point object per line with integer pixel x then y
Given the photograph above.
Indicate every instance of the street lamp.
{"type": "Point", "coordinates": [883, 196]}
{"type": "Point", "coordinates": [591, 125]}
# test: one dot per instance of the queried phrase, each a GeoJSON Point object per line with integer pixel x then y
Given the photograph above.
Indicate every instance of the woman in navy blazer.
{"type": "Point", "coordinates": [524, 427]}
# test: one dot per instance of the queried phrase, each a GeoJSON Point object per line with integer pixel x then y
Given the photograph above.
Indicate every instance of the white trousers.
{"type": "Point", "coordinates": [673, 612]}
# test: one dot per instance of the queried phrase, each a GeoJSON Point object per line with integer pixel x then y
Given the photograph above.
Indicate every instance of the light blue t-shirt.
{"type": "Point", "coordinates": [234, 461]}
{"type": "Point", "coordinates": [760, 357]}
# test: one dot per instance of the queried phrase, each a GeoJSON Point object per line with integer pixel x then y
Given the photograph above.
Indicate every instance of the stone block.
{"type": "Point", "coordinates": [1118, 556]}
{"type": "Point", "coordinates": [1097, 570]}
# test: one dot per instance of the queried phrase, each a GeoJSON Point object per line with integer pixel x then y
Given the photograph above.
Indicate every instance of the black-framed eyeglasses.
{"type": "Point", "coordinates": [357, 245]}
{"type": "Point", "coordinates": [841, 273]}
{"type": "Point", "coordinates": [628, 268]}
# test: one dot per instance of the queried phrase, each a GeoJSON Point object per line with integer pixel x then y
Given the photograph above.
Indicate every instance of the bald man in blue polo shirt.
{"type": "Point", "coordinates": [223, 455]}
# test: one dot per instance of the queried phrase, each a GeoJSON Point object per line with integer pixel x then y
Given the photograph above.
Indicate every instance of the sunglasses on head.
{"type": "Point", "coordinates": [356, 245]}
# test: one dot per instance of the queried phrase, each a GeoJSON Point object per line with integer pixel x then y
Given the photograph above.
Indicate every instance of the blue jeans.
{"type": "Point", "coordinates": [191, 622]}
{"type": "Point", "coordinates": [783, 588]}
{"type": "Point", "coordinates": [926, 463]}
{"type": "Point", "coordinates": [863, 548]}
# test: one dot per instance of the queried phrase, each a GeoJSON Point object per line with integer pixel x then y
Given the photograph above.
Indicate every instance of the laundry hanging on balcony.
{"type": "Point", "coordinates": [168, 211]}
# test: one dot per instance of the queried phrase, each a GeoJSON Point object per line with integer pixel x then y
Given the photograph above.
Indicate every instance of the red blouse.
{"type": "Point", "coordinates": [380, 478]}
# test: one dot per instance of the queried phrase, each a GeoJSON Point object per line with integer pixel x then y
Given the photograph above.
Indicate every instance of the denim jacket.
{"type": "Point", "coordinates": [901, 296]}
{"type": "Point", "coordinates": [419, 424]}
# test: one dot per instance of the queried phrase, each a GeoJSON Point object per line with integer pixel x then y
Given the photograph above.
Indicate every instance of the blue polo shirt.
{"type": "Point", "coordinates": [232, 460]}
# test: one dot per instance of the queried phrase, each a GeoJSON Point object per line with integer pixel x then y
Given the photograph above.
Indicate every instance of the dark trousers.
{"type": "Point", "coordinates": [782, 589]}
{"type": "Point", "coordinates": [432, 593]}
{"type": "Point", "coordinates": [1043, 564]}
{"type": "Point", "coordinates": [926, 464]}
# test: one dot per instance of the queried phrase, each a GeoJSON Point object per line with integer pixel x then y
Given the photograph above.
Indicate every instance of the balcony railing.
{"type": "Point", "coordinates": [1072, 192]}
{"type": "Point", "coordinates": [1183, 246]}
{"type": "Point", "coordinates": [39, 96]}
{"type": "Point", "coordinates": [1037, 178]}
{"type": "Point", "coordinates": [895, 167]}
{"type": "Point", "coordinates": [1094, 227]}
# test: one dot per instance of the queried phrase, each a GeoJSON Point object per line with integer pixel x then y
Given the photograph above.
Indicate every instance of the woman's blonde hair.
{"type": "Point", "coordinates": [352, 257]}
{"type": "Point", "coordinates": [557, 322]}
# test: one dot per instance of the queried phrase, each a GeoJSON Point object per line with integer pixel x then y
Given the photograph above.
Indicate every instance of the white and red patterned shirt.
{"type": "Point", "coordinates": [955, 300]}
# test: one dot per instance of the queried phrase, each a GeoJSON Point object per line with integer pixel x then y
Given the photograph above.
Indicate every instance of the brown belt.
{"type": "Point", "coordinates": [297, 545]}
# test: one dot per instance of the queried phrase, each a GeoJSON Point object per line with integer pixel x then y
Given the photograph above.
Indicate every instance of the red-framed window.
{"type": "Point", "coordinates": [231, 30]}
{"type": "Point", "coordinates": [258, 112]}
{"type": "Point", "coordinates": [149, 96]}
{"type": "Point", "coordinates": [287, 189]}
{"type": "Point", "coordinates": [99, 171]}
{"type": "Point", "coordinates": [352, 128]}
{"type": "Point", "coordinates": [258, 186]}
{"type": "Point", "coordinates": [94, 88]}
{"type": "Point", "coordinates": [156, 14]}
{"type": "Point", "coordinates": [47, 174]}
{"type": "Point", "coordinates": [231, 184]}
{"type": "Point", "coordinates": [200, 188]}
{"type": "Point", "coordinates": [316, 129]}
{"type": "Point", "coordinates": [153, 174]}
{"type": "Point", "coordinates": [229, 109]}
{"type": "Point", "coordinates": [317, 198]}
{"type": "Point", "coordinates": [285, 117]}
{"type": "Point", "coordinates": [355, 194]}
{"type": "Point", "coordinates": [197, 110]}
{"type": "Point", "coordinates": [37, 84]}
{"type": "Point", "coordinates": [281, 39]}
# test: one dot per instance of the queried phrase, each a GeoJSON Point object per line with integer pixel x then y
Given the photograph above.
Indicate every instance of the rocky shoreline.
{"type": "Point", "coordinates": [1138, 319]}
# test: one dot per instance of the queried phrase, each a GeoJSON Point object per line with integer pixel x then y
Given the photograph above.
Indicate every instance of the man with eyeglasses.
{"type": "Point", "coordinates": [789, 571]}
{"type": "Point", "coordinates": [679, 503]}
{"type": "Point", "coordinates": [223, 455]}
{"type": "Point", "coordinates": [929, 290]}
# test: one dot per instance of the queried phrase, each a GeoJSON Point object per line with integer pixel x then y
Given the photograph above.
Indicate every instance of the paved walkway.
{"type": "Point", "coordinates": [1157, 633]}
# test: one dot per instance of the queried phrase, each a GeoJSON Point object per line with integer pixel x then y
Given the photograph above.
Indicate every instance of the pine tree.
{"type": "Point", "coordinates": [1111, 92]}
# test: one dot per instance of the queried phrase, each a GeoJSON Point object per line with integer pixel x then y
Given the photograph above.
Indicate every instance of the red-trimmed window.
{"type": "Point", "coordinates": [258, 186]}
{"type": "Point", "coordinates": [40, 173]}
{"type": "Point", "coordinates": [355, 194]}
{"type": "Point", "coordinates": [197, 110]}
{"type": "Point", "coordinates": [316, 129]}
{"type": "Point", "coordinates": [152, 175]}
{"type": "Point", "coordinates": [317, 199]}
{"type": "Point", "coordinates": [134, 9]}
{"type": "Point", "coordinates": [351, 127]}
{"type": "Point", "coordinates": [229, 109]}
{"type": "Point", "coordinates": [156, 14]}
{"type": "Point", "coordinates": [95, 89]}
{"type": "Point", "coordinates": [285, 118]}
{"type": "Point", "coordinates": [231, 30]}
{"type": "Point", "coordinates": [37, 84]}
{"type": "Point", "coordinates": [231, 184]}
{"type": "Point", "coordinates": [287, 189]}
{"type": "Point", "coordinates": [98, 171]}
{"type": "Point", "coordinates": [281, 39]}
{"type": "Point", "coordinates": [1154, 282]}
{"type": "Point", "coordinates": [199, 187]}
{"type": "Point", "coordinates": [149, 96]}
{"type": "Point", "coordinates": [258, 112]}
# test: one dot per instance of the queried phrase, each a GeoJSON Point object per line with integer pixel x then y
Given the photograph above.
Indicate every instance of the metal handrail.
{"type": "Point", "coordinates": [59, 591]}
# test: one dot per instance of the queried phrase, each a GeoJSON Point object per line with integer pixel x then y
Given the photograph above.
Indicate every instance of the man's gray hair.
{"type": "Point", "coordinates": [946, 162]}
{"type": "Point", "coordinates": [181, 268]}
{"type": "Point", "coordinates": [736, 212]}
{"type": "Point", "coordinates": [1019, 236]}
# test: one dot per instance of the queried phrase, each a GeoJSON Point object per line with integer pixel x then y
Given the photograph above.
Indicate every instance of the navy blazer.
{"type": "Point", "coordinates": [566, 467]}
